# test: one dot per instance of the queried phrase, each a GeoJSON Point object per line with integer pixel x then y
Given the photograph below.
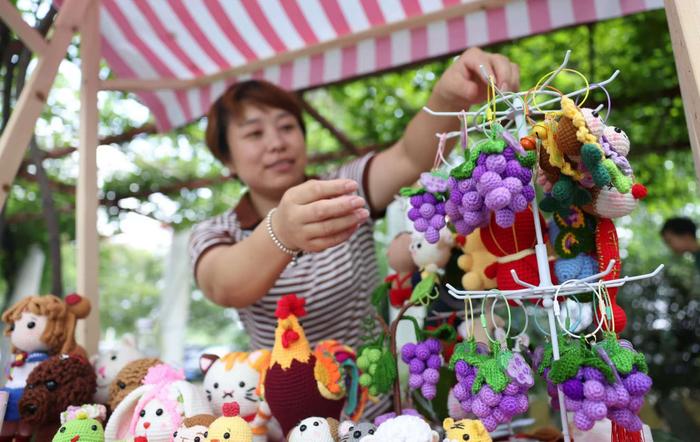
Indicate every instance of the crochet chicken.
{"type": "Point", "coordinates": [230, 426]}
{"type": "Point", "coordinates": [300, 383]}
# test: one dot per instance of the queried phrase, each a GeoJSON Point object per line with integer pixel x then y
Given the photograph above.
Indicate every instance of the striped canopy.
{"type": "Point", "coordinates": [179, 55]}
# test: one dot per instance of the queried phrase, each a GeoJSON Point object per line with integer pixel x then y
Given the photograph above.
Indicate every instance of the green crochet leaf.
{"type": "Point", "coordinates": [621, 182]}
{"type": "Point", "coordinates": [380, 294]}
{"type": "Point", "coordinates": [423, 292]}
{"type": "Point", "coordinates": [411, 191]}
{"type": "Point", "coordinates": [386, 373]}
{"type": "Point", "coordinates": [490, 371]}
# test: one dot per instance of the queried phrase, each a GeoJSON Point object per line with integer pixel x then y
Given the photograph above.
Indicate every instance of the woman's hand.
{"type": "Point", "coordinates": [316, 215]}
{"type": "Point", "coordinates": [462, 85]}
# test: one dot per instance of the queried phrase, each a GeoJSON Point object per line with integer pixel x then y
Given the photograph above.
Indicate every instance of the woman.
{"type": "Point", "coordinates": [242, 257]}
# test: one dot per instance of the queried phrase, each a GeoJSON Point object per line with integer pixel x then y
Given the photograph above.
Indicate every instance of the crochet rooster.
{"type": "Point", "coordinates": [300, 383]}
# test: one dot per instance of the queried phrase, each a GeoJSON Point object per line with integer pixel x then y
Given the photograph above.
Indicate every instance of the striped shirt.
{"type": "Point", "coordinates": [336, 283]}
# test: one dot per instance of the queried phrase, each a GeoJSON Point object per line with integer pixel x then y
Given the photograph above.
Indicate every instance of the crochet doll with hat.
{"type": "Point", "coordinates": [194, 429]}
{"type": "Point", "coordinates": [38, 327]}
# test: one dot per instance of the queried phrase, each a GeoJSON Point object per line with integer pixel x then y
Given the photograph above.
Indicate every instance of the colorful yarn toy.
{"type": "Point", "coordinates": [465, 429]}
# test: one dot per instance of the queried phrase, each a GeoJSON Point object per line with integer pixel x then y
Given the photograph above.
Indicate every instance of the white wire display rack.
{"type": "Point", "coordinates": [546, 292]}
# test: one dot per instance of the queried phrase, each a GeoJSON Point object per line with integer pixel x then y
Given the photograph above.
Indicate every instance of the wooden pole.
{"type": "Point", "coordinates": [15, 138]}
{"type": "Point", "coordinates": [86, 192]}
{"type": "Point", "coordinates": [29, 36]}
{"type": "Point", "coordinates": [684, 25]}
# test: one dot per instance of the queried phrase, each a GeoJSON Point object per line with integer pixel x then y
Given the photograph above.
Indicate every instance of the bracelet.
{"type": "Point", "coordinates": [293, 253]}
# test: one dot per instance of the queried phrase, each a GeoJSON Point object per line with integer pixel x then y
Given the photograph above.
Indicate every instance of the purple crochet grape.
{"type": "Point", "coordinates": [518, 203]}
{"type": "Point", "coordinates": [422, 351]}
{"type": "Point", "coordinates": [594, 390]}
{"type": "Point", "coordinates": [467, 404]}
{"type": "Point", "coordinates": [572, 388]}
{"type": "Point", "coordinates": [460, 392]}
{"type": "Point", "coordinates": [467, 184]}
{"type": "Point", "coordinates": [487, 182]}
{"type": "Point", "coordinates": [511, 389]}
{"type": "Point", "coordinates": [414, 214]}
{"type": "Point", "coordinates": [478, 172]}
{"type": "Point", "coordinates": [472, 201]}
{"type": "Point", "coordinates": [433, 345]}
{"type": "Point", "coordinates": [415, 381]}
{"type": "Point", "coordinates": [513, 185]}
{"type": "Point", "coordinates": [523, 403]}
{"type": "Point", "coordinates": [474, 219]}
{"type": "Point", "coordinates": [505, 218]}
{"type": "Point", "coordinates": [594, 410]}
{"type": "Point", "coordinates": [623, 397]}
{"type": "Point", "coordinates": [429, 198]}
{"type": "Point", "coordinates": [509, 405]}
{"type": "Point", "coordinates": [490, 423]}
{"type": "Point", "coordinates": [427, 210]}
{"type": "Point", "coordinates": [462, 227]}
{"type": "Point", "coordinates": [500, 416]}
{"type": "Point", "coordinates": [451, 210]}
{"type": "Point", "coordinates": [421, 224]}
{"type": "Point", "coordinates": [509, 153]}
{"type": "Point", "coordinates": [416, 366]}
{"type": "Point", "coordinates": [519, 371]}
{"type": "Point", "coordinates": [637, 384]}
{"type": "Point", "coordinates": [572, 404]}
{"type": "Point", "coordinates": [462, 368]}
{"type": "Point", "coordinates": [610, 399]}
{"type": "Point", "coordinates": [429, 391]}
{"type": "Point", "coordinates": [480, 409]}
{"type": "Point", "coordinates": [408, 351]}
{"type": "Point", "coordinates": [626, 419]}
{"type": "Point", "coordinates": [592, 374]}
{"type": "Point", "coordinates": [416, 201]}
{"type": "Point", "coordinates": [498, 198]}
{"type": "Point", "coordinates": [488, 396]}
{"type": "Point", "coordinates": [432, 235]}
{"type": "Point", "coordinates": [583, 422]}
{"type": "Point", "coordinates": [431, 376]}
{"type": "Point", "coordinates": [496, 163]}
{"type": "Point", "coordinates": [434, 362]}
{"type": "Point", "coordinates": [636, 403]}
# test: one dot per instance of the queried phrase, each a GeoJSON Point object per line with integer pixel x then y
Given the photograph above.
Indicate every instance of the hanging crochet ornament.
{"type": "Point", "coordinates": [574, 243]}
{"type": "Point", "coordinates": [632, 384]}
{"type": "Point", "coordinates": [608, 248]}
{"type": "Point", "coordinates": [428, 201]}
{"type": "Point", "coordinates": [514, 250]}
{"type": "Point", "coordinates": [424, 358]}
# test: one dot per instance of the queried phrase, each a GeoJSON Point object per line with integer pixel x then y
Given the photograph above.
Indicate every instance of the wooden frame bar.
{"type": "Point", "coordinates": [11, 16]}
{"type": "Point", "coordinates": [15, 138]}
{"type": "Point", "coordinates": [87, 200]}
{"type": "Point", "coordinates": [684, 25]}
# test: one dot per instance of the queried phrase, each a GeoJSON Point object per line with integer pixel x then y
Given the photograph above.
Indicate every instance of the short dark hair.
{"type": "Point", "coordinates": [680, 226]}
{"type": "Point", "coordinates": [230, 105]}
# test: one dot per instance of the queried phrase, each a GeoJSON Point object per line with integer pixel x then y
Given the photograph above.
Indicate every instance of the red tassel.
{"type": "Point", "coordinates": [619, 434]}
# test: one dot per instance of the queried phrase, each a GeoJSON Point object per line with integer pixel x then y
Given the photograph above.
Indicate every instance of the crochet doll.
{"type": "Point", "coordinates": [108, 363]}
{"type": "Point", "coordinates": [83, 423]}
{"type": "Point", "coordinates": [475, 259]}
{"type": "Point", "coordinates": [404, 428]}
{"type": "Point", "coordinates": [38, 327]}
{"type": "Point", "coordinates": [53, 386]}
{"type": "Point", "coordinates": [514, 250]}
{"type": "Point", "coordinates": [465, 429]}
{"type": "Point", "coordinates": [230, 426]}
{"type": "Point", "coordinates": [128, 379]}
{"type": "Point", "coordinates": [401, 262]}
{"type": "Point", "coordinates": [156, 409]}
{"type": "Point", "coordinates": [350, 431]}
{"type": "Point", "coordinates": [314, 429]}
{"type": "Point", "coordinates": [194, 429]}
{"type": "Point", "coordinates": [236, 377]}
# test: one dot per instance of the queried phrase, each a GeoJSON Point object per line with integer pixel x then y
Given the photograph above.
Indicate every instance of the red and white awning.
{"type": "Point", "coordinates": [198, 47]}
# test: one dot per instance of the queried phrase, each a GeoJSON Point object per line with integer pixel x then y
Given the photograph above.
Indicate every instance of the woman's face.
{"type": "Point", "coordinates": [268, 150]}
